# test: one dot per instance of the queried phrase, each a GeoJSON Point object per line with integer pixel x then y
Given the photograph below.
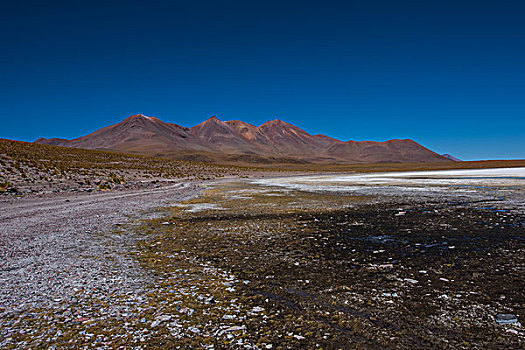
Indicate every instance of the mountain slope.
{"type": "Point", "coordinates": [387, 151]}
{"type": "Point", "coordinates": [222, 137]}
{"type": "Point", "coordinates": [138, 134]}
{"type": "Point", "coordinates": [451, 157]}
{"type": "Point", "coordinates": [274, 139]}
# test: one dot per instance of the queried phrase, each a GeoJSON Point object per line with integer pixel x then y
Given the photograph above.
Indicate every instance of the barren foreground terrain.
{"type": "Point", "coordinates": [424, 260]}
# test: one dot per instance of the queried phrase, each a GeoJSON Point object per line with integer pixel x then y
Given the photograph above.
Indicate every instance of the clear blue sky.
{"type": "Point", "coordinates": [448, 74]}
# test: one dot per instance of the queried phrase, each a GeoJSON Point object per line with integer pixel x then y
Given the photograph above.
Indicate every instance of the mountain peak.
{"type": "Point", "coordinates": [140, 117]}
{"type": "Point", "coordinates": [210, 122]}
{"type": "Point", "coordinates": [134, 116]}
{"type": "Point", "coordinates": [275, 138]}
{"type": "Point", "coordinates": [274, 121]}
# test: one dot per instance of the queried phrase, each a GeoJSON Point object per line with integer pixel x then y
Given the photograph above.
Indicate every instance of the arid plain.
{"type": "Point", "coordinates": [107, 250]}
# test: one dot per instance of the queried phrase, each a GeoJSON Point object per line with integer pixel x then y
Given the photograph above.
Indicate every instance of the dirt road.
{"type": "Point", "coordinates": [52, 248]}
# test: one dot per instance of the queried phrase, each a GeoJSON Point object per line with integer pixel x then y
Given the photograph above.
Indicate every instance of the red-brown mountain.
{"type": "Point", "coordinates": [272, 140]}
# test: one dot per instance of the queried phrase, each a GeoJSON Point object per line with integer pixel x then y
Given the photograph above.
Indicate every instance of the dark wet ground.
{"type": "Point", "coordinates": [396, 275]}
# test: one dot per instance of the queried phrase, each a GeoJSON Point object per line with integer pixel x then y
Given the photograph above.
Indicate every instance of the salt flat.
{"type": "Point", "coordinates": [416, 180]}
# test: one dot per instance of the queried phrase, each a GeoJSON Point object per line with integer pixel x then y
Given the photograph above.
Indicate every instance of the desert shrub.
{"type": "Point", "coordinates": [117, 180]}
{"type": "Point", "coordinates": [104, 186]}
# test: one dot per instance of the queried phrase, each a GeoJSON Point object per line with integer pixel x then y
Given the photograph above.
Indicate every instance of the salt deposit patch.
{"type": "Point", "coordinates": [196, 207]}
{"type": "Point", "coordinates": [417, 181]}
{"type": "Point", "coordinates": [234, 196]}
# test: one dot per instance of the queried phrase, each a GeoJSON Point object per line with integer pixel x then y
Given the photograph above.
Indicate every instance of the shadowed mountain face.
{"type": "Point", "coordinates": [275, 139]}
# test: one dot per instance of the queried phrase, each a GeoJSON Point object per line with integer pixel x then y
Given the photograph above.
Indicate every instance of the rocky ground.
{"type": "Point", "coordinates": [333, 271]}
{"type": "Point", "coordinates": [252, 266]}
{"type": "Point", "coordinates": [59, 255]}
{"type": "Point", "coordinates": [43, 170]}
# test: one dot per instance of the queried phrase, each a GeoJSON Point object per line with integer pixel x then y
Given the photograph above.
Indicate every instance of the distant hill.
{"type": "Point", "coordinates": [452, 158]}
{"type": "Point", "coordinates": [273, 141]}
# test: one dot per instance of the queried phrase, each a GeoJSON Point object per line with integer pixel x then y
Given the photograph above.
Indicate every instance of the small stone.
{"type": "Point", "coordinates": [506, 319]}
{"type": "Point", "coordinates": [257, 309]}
{"type": "Point", "coordinates": [163, 318]}
{"type": "Point", "coordinates": [235, 328]}
{"type": "Point", "coordinates": [194, 330]}
{"type": "Point", "coordinates": [410, 280]}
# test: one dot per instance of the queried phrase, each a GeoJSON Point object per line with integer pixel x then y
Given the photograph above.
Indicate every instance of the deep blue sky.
{"type": "Point", "coordinates": [448, 74]}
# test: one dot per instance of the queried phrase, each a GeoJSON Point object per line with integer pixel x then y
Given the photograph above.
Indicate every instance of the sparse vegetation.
{"type": "Point", "coordinates": [265, 269]}
{"type": "Point", "coordinates": [38, 168]}
{"type": "Point", "coordinates": [327, 276]}
{"type": "Point", "coordinates": [4, 185]}
{"type": "Point", "coordinates": [258, 267]}
{"type": "Point", "coordinates": [104, 186]}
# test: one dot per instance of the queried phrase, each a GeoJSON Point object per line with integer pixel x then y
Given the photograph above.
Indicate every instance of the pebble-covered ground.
{"type": "Point", "coordinates": [253, 266]}
{"type": "Point", "coordinates": [65, 261]}
{"type": "Point", "coordinates": [37, 169]}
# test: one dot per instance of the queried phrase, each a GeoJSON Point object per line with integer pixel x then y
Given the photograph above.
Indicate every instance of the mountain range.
{"type": "Point", "coordinates": [235, 140]}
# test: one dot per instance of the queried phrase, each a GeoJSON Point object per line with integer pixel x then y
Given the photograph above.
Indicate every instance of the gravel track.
{"type": "Point", "coordinates": [52, 249]}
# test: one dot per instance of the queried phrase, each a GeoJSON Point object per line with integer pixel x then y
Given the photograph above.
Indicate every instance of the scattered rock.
{"type": "Point", "coordinates": [506, 319]}
{"type": "Point", "coordinates": [235, 328]}
{"type": "Point", "coordinates": [163, 318]}
{"type": "Point", "coordinates": [194, 330]}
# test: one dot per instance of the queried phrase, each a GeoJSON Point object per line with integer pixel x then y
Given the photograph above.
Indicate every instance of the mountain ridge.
{"type": "Point", "coordinates": [275, 138]}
